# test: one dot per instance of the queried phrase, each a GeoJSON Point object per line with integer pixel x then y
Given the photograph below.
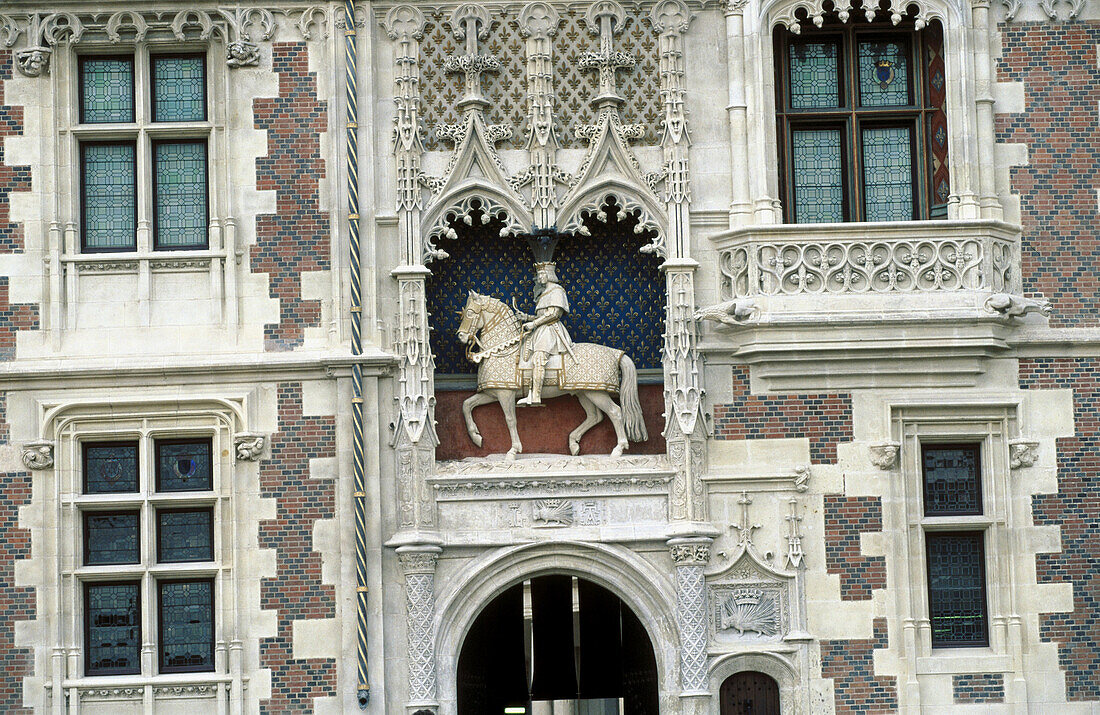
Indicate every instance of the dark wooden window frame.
{"type": "Point", "coordinates": [158, 443]}
{"type": "Point", "coordinates": [161, 667]}
{"type": "Point", "coordinates": [83, 59]}
{"type": "Point", "coordinates": [206, 190]}
{"type": "Point", "coordinates": [852, 117]}
{"type": "Point", "coordinates": [84, 248]}
{"type": "Point", "coordinates": [88, 672]}
{"type": "Point", "coordinates": [114, 512]}
{"type": "Point", "coordinates": [984, 641]}
{"type": "Point", "coordinates": [184, 510]}
{"type": "Point", "coordinates": [153, 84]}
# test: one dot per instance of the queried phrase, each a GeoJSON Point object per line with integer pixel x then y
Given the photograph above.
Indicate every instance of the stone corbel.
{"type": "Point", "coordinates": [884, 455]}
{"type": "Point", "coordinates": [33, 61]}
{"type": "Point", "coordinates": [248, 446]}
{"type": "Point", "coordinates": [38, 454]}
{"type": "Point", "coordinates": [1022, 453]}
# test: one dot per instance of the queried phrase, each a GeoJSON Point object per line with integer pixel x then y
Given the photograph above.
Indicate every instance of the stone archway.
{"type": "Point", "coordinates": [555, 644]}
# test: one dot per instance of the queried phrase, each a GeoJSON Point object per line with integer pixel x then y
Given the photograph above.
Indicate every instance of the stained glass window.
{"type": "Point", "coordinates": [888, 173]}
{"type": "Point", "coordinates": [179, 89]}
{"type": "Point", "coordinates": [180, 194]}
{"type": "Point", "coordinates": [956, 588]}
{"type": "Point", "coordinates": [112, 538]}
{"type": "Point", "coordinates": [106, 89]}
{"type": "Point", "coordinates": [183, 465]}
{"type": "Point", "coordinates": [110, 467]}
{"type": "Point", "coordinates": [884, 73]}
{"type": "Point", "coordinates": [185, 535]}
{"type": "Point", "coordinates": [952, 479]}
{"type": "Point", "coordinates": [814, 75]}
{"type": "Point", "coordinates": [186, 626]}
{"type": "Point", "coordinates": [818, 175]}
{"type": "Point", "coordinates": [112, 628]}
{"type": "Point", "coordinates": [110, 196]}
{"type": "Point", "coordinates": [936, 122]}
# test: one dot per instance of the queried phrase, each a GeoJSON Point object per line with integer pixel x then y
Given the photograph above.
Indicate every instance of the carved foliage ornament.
{"type": "Point", "coordinates": [38, 455]}
{"type": "Point", "coordinates": [843, 10]}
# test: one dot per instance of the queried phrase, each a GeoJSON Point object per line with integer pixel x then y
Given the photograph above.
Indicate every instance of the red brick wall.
{"type": "Point", "coordinates": [825, 418]}
{"type": "Point", "coordinates": [851, 665]}
{"type": "Point", "coordinates": [1075, 509]}
{"type": "Point", "coordinates": [296, 237]}
{"type": "Point", "coordinates": [1057, 64]}
{"type": "Point", "coordinates": [296, 592]}
{"type": "Point", "coordinates": [16, 603]}
{"type": "Point", "coordinates": [12, 178]}
{"type": "Point", "coordinates": [978, 688]}
{"type": "Point", "coordinates": [845, 519]}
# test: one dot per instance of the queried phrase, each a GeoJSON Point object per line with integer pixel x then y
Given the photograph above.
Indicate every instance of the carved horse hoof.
{"type": "Point", "coordinates": [510, 456]}
{"type": "Point", "coordinates": [475, 437]}
{"type": "Point", "coordinates": [618, 451]}
{"type": "Point", "coordinates": [574, 446]}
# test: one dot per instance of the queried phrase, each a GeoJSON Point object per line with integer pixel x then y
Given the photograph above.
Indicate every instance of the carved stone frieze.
{"type": "Point", "coordinates": [1022, 453]}
{"type": "Point", "coordinates": [38, 454]}
{"type": "Point", "coordinates": [884, 455]}
{"type": "Point", "coordinates": [248, 446]}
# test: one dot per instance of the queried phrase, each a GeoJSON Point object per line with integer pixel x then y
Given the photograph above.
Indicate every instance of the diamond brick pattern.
{"type": "Point", "coordinates": [18, 603]}
{"type": "Point", "coordinates": [1073, 508]}
{"type": "Point", "coordinates": [845, 519]}
{"type": "Point", "coordinates": [294, 239]}
{"type": "Point", "coordinates": [979, 688]}
{"type": "Point", "coordinates": [1058, 67]}
{"type": "Point", "coordinates": [825, 418]}
{"type": "Point", "coordinates": [851, 665]}
{"type": "Point", "coordinates": [296, 591]}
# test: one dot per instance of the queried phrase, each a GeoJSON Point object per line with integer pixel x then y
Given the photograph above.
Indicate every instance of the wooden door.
{"type": "Point", "coordinates": [749, 693]}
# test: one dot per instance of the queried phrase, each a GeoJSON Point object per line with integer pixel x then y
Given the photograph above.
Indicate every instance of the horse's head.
{"type": "Point", "coordinates": [473, 318]}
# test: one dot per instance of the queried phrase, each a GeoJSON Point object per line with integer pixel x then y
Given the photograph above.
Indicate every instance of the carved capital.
{"type": "Point", "coordinates": [38, 454]}
{"type": "Point", "coordinates": [418, 559]}
{"type": "Point", "coordinates": [884, 455]}
{"type": "Point", "coordinates": [248, 446]}
{"type": "Point", "coordinates": [689, 552]}
{"type": "Point", "coordinates": [1022, 453]}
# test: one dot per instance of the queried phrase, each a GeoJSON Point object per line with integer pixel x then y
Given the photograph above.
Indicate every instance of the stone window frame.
{"type": "Point", "coordinates": [992, 425]}
{"type": "Point", "coordinates": [66, 261]}
{"type": "Point", "coordinates": [145, 424]}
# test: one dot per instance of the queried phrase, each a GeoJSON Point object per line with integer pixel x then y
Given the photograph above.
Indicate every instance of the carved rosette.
{"type": "Point", "coordinates": [38, 454]}
{"type": "Point", "coordinates": [884, 455]}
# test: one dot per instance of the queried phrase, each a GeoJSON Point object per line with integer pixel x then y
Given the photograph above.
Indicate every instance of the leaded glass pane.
{"type": "Point", "coordinates": [107, 84]}
{"type": "Point", "coordinates": [818, 175]}
{"type": "Point", "coordinates": [179, 89]}
{"type": "Point", "coordinates": [887, 174]}
{"type": "Point", "coordinates": [937, 121]}
{"type": "Point", "coordinates": [112, 629]}
{"type": "Point", "coordinates": [956, 588]}
{"type": "Point", "coordinates": [952, 480]}
{"type": "Point", "coordinates": [111, 538]}
{"type": "Point", "coordinates": [814, 79]}
{"type": "Point", "coordinates": [185, 536]}
{"type": "Point", "coordinates": [110, 468]}
{"type": "Point", "coordinates": [183, 466]}
{"type": "Point", "coordinates": [110, 199]}
{"type": "Point", "coordinates": [186, 626]}
{"type": "Point", "coordinates": [181, 194]}
{"type": "Point", "coordinates": [884, 73]}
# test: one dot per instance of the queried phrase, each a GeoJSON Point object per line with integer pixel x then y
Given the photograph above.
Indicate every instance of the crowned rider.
{"type": "Point", "coordinates": [544, 333]}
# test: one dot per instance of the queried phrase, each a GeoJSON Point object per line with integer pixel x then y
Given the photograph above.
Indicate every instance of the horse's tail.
{"type": "Point", "coordinates": [632, 406]}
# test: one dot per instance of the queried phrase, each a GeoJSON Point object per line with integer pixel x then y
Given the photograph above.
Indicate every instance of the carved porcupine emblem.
{"type": "Point", "coordinates": [748, 610]}
{"type": "Point", "coordinates": [553, 512]}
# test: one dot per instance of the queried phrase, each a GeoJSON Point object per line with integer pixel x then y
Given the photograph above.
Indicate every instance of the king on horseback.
{"type": "Point", "coordinates": [545, 334]}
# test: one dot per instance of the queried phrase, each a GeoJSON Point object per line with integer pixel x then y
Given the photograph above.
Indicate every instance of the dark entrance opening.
{"type": "Point", "coordinates": [749, 693]}
{"type": "Point", "coordinates": [557, 644]}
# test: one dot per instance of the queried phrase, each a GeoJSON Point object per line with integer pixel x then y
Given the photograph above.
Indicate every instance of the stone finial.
{"type": "Point", "coordinates": [884, 455]}
{"type": "Point", "coordinates": [38, 454]}
{"type": "Point", "coordinates": [1022, 453]}
{"type": "Point", "coordinates": [248, 446]}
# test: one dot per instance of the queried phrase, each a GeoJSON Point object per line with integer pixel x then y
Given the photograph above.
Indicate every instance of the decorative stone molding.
{"type": "Point", "coordinates": [884, 455]}
{"type": "Point", "coordinates": [1022, 453]}
{"type": "Point", "coordinates": [897, 10]}
{"type": "Point", "coordinates": [405, 24]}
{"type": "Point", "coordinates": [741, 481]}
{"type": "Point", "coordinates": [184, 691]}
{"type": "Point", "coordinates": [538, 23]}
{"type": "Point", "coordinates": [248, 446]}
{"type": "Point", "coordinates": [417, 560]}
{"type": "Point", "coordinates": [688, 552]}
{"type": "Point", "coordinates": [1049, 8]}
{"type": "Point", "coordinates": [38, 454]}
{"type": "Point", "coordinates": [671, 19]}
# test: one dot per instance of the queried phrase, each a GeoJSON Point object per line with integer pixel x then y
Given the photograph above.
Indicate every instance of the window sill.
{"type": "Point", "coordinates": [179, 260]}
{"type": "Point", "coordinates": [957, 661]}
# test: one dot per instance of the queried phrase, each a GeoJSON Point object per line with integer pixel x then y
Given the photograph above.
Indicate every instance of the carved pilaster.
{"type": "Point", "coordinates": [405, 25]}
{"type": "Point", "coordinates": [671, 19]}
{"type": "Point", "coordinates": [418, 564]}
{"type": "Point", "coordinates": [690, 556]}
{"type": "Point", "coordinates": [685, 431]}
{"type": "Point", "coordinates": [538, 23]}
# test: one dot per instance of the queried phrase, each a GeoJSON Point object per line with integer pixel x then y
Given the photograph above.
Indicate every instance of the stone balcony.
{"type": "Point", "coordinates": [872, 304]}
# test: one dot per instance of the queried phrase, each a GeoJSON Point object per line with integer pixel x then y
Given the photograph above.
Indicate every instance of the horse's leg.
{"type": "Point", "coordinates": [603, 401]}
{"type": "Point", "coordinates": [475, 400]}
{"type": "Point", "coordinates": [592, 417]}
{"type": "Point", "coordinates": [507, 399]}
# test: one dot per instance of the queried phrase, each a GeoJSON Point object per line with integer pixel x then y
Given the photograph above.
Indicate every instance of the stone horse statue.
{"type": "Point", "coordinates": [593, 373]}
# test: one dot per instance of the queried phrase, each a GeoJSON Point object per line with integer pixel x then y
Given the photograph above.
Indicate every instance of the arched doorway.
{"type": "Point", "coordinates": [557, 644]}
{"type": "Point", "coordinates": [749, 693]}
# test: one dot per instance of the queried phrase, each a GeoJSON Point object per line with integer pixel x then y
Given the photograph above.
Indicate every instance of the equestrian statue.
{"type": "Point", "coordinates": [517, 352]}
